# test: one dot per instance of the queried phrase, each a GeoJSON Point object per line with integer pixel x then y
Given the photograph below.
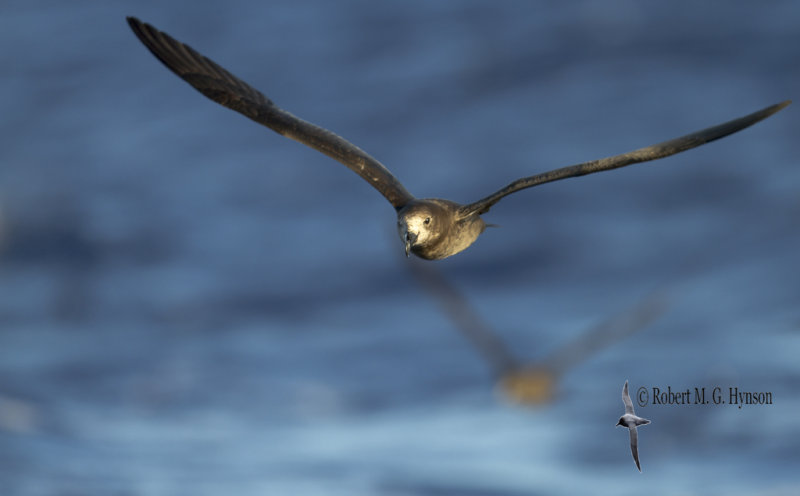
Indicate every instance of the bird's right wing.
{"type": "Point", "coordinates": [465, 318]}
{"type": "Point", "coordinates": [626, 398]}
{"type": "Point", "coordinates": [635, 446]}
{"type": "Point", "coordinates": [226, 89]}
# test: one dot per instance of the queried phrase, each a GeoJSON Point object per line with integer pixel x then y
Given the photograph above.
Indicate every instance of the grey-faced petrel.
{"type": "Point", "coordinates": [532, 383]}
{"type": "Point", "coordinates": [631, 421]}
{"type": "Point", "coordinates": [431, 228]}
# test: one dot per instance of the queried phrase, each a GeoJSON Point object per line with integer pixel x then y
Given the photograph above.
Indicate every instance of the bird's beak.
{"type": "Point", "coordinates": [409, 239]}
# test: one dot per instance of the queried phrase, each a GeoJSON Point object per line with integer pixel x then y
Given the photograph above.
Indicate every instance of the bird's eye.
{"type": "Point", "coordinates": [427, 220]}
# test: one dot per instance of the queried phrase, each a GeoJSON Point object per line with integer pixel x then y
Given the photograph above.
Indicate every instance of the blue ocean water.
{"type": "Point", "coordinates": [192, 304]}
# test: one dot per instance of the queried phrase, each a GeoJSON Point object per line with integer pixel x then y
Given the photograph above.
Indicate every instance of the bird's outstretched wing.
{"type": "Point", "coordinates": [607, 332]}
{"type": "Point", "coordinates": [226, 89]}
{"type": "Point", "coordinates": [467, 320]}
{"type": "Point", "coordinates": [653, 152]}
{"type": "Point", "coordinates": [635, 446]}
{"type": "Point", "coordinates": [626, 398]}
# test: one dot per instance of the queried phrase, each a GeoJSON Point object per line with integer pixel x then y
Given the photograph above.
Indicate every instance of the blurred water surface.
{"type": "Point", "coordinates": [191, 304]}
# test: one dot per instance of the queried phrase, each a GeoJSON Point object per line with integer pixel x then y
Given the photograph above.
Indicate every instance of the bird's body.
{"type": "Point", "coordinates": [452, 227]}
{"type": "Point", "coordinates": [631, 421]}
{"type": "Point", "coordinates": [433, 229]}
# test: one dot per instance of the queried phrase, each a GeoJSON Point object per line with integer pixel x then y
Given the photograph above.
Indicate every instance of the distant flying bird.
{"type": "Point", "coordinates": [533, 382]}
{"type": "Point", "coordinates": [631, 421]}
{"type": "Point", "coordinates": [431, 228]}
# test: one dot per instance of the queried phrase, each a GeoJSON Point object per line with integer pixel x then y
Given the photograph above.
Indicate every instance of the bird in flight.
{"type": "Point", "coordinates": [533, 383]}
{"type": "Point", "coordinates": [431, 228]}
{"type": "Point", "coordinates": [631, 421]}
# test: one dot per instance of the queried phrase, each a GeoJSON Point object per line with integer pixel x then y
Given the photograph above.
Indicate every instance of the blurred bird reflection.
{"type": "Point", "coordinates": [533, 383]}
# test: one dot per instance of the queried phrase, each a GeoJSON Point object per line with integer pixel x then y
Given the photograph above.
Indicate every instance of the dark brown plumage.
{"type": "Point", "coordinates": [430, 228]}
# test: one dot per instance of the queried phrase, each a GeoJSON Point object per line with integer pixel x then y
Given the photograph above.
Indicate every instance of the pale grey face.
{"type": "Point", "coordinates": [433, 230]}
{"type": "Point", "coordinates": [417, 227]}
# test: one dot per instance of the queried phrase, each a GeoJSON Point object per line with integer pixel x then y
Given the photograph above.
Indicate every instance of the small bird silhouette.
{"type": "Point", "coordinates": [431, 228]}
{"type": "Point", "coordinates": [631, 421]}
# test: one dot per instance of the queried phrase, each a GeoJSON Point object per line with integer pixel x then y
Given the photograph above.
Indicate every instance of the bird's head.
{"type": "Point", "coordinates": [530, 385]}
{"type": "Point", "coordinates": [422, 223]}
{"type": "Point", "coordinates": [621, 422]}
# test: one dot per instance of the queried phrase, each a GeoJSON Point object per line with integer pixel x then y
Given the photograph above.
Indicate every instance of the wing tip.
{"type": "Point", "coordinates": [778, 106]}
{"type": "Point", "coordinates": [134, 22]}
{"type": "Point", "coordinates": [142, 30]}
{"type": "Point", "coordinates": [762, 114]}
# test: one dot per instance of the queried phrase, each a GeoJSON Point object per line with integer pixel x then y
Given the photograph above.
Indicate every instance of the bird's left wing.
{"type": "Point", "coordinates": [646, 154]}
{"type": "Point", "coordinates": [626, 398]}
